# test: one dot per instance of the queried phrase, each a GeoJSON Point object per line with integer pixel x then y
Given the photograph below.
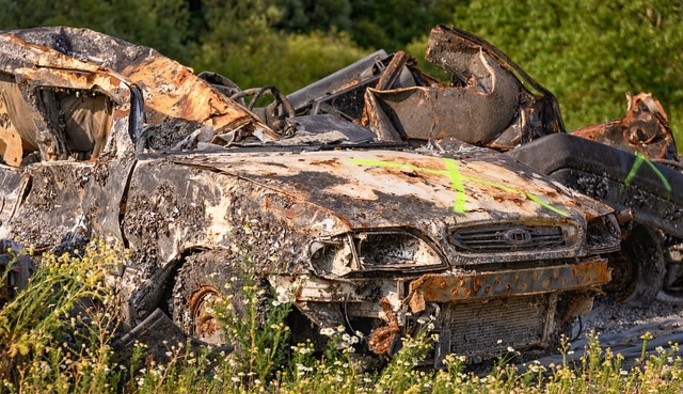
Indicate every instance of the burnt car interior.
{"type": "Point", "coordinates": [81, 118]}
{"type": "Point", "coordinates": [78, 121]}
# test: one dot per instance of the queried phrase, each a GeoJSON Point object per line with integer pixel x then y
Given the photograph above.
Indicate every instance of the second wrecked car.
{"type": "Point", "coordinates": [102, 138]}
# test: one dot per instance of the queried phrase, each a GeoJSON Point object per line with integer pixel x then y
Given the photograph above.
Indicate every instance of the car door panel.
{"type": "Point", "coordinates": [12, 184]}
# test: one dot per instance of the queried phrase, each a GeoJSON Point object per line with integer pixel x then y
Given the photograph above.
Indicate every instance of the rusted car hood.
{"type": "Point", "coordinates": [392, 188]}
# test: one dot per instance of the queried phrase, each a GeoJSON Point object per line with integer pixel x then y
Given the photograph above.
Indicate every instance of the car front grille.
{"type": "Point", "coordinates": [507, 238]}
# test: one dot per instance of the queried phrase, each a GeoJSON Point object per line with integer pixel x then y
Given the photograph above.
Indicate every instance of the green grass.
{"type": "Point", "coordinates": [57, 336]}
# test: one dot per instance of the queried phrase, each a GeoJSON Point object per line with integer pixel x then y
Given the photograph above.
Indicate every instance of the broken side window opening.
{"type": "Point", "coordinates": [80, 119]}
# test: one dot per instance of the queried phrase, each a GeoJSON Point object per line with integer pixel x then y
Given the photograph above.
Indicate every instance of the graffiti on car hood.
{"type": "Point", "coordinates": [371, 187]}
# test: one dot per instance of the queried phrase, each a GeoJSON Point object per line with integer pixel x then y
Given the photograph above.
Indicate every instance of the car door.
{"type": "Point", "coordinates": [12, 185]}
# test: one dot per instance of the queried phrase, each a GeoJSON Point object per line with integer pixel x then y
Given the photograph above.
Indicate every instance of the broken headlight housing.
{"type": "Point", "coordinates": [603, 234]}
{"type": "Point", "coordinates": [380, 250]}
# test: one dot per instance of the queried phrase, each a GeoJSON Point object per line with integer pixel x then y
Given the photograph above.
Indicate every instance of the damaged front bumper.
{"type": "Point", "coordinates": [452, 288]}
{"type": "Point", "coordinates": [513, 307]}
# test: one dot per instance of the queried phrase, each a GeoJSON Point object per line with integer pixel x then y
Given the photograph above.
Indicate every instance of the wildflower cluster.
{"type": "Point", "coordinates": [256, 325]}
{"type": "Point", "coordinates": [339, 369]}
{"type": "Point", "coordinates": [56, 332]}
{"type": "Point", "coordinates": [56, 335]}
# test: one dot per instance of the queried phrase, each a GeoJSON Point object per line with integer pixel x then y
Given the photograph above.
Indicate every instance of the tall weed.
{"type": "Point", "coordinates": [56, 336]}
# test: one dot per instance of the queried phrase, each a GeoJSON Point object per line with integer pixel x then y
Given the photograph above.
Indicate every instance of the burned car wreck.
{"type": "Point", "coordinates": [361, 216]}
{"type": "Point", "coordinates": [631, 163]}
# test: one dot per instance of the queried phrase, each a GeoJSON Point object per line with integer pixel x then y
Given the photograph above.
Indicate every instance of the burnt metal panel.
{"type": "Point", "coordinates": [172, 208]}
{"type": "Point", "coordinates": [644, 129]}
{"type": "Point", "coordinates": [440, 112]}
{"type": "Point", "coordinates": [378, 182]}
{"type": "Point", "coordinates": [175, 97]}
{"type": "Point", "coordinates": [601, 171]}
{"type": "Point", "coordinates": [12, 183]}
{"type": "Point", "coordinates": [53, 217]}
{"type": "Point", "coordinates": [495, 284]}
{"type": "Point", "coordinates": [487, 104]}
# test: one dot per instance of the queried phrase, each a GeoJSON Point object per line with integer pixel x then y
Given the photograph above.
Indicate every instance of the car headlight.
{"type": "Point", "coordinates": [378, 250]}
{"type": "Point", "coordinates": [603, 234]}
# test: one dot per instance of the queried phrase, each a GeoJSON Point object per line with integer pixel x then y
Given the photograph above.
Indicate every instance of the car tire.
{"type": "Point", "coordinates": [23, 268]}
{"type": "Point", "coordinates": [673, 284]}
{"type": "Point", "coordinates": [203, 277]}
{"type": "Point", "coordinates": [638, 271]}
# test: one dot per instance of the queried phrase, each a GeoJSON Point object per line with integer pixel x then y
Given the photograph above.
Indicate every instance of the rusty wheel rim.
{"type": "Point", "coordinates": [204, 324]}
{"type": "Point", "coordinates": [624, 278]}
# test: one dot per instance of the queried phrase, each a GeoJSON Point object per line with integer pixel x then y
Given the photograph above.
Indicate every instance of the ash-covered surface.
{"type": "Point", "coordinates": [610, 317]}
{"type": "Point", "coordinates": [621, 327]}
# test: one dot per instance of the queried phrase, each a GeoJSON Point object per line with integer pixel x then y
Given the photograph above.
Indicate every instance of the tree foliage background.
{"type": "Point", "coordinates": [589, 53]}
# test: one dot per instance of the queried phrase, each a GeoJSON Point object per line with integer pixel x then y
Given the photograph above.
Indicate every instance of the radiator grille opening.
{"type": "Point", "coordinates": [504, 239]}
{"type": "Point", "coordinates": [475, 328]}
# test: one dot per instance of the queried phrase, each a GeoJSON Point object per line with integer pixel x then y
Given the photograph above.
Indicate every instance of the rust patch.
{"type": "Point", "coordinates": [382, 338]}
{"type": "Point", "coordinates": [11, 145]}
{"type": "Point", "coordinates": [350, 85]}
{"type": "Point", "coordinates": [173, 91]}
{"type": "Point", "coordinates": [204, 324]}
{"type": "Point", "coordinates": [448, 288]}
{"type": "Point", "coordinates": [417, 302]}
{"type": "Point", "coordinates": [393, 70]}
{"type": "Point", "coordinates": [644, 128]}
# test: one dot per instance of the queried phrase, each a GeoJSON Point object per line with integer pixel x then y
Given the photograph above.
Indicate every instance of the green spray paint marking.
{"type": "Point", "coordinates": [453, 173]}
{"type": "Point", "coordinates": [636, 166]}
{"type": "Point", "coordinates": [528, 195]}
{"type": "Point", "coordinates": [456, 184]}
{"type": "Point", "coordinates": [544, 204]}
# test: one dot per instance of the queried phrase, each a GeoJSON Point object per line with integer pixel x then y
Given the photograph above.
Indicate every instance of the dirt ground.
{"type": "Point", "coordinates": [620, 328]}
